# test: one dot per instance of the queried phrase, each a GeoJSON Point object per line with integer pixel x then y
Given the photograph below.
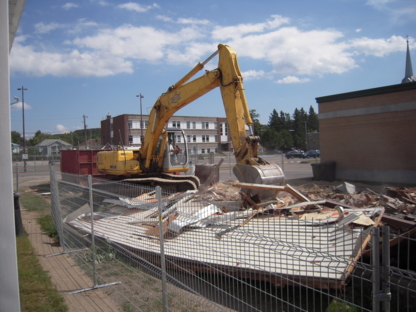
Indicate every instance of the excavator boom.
{"type": "Point", "coordinates": [250, 168]}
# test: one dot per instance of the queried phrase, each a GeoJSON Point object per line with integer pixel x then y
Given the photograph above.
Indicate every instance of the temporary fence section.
{"type": "Point", "coordinates": [152, 250]}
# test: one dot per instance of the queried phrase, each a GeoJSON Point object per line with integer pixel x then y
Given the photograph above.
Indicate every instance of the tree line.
{"type": "Point", "coordinates": [74, 137]}
{"type": "Point", "coordinates": [285, 131]}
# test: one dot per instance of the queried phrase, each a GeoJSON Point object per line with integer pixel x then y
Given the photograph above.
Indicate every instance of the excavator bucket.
{"type": "Point", "coordinates": [270, 174]}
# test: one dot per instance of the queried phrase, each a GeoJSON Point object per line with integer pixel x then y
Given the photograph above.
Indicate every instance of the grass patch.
{"type": "Point", "coordinates": [33, 202]}
{"type": "Point", "coordinates": [47, 225]}
{"type": "Point", "coordinates": [37, 293]}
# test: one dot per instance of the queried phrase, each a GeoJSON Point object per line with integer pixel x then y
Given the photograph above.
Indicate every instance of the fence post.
{"type": "Point", "coordinates": [94, 267]}
{"type": "Point", "coordinates": [375, 257]}
{"type": "Point", "coordinates": [162, 250]}
{"type": "Point", "coordinates": [386, 268]}
{"type": "Point", "coordinates": [56, 206]}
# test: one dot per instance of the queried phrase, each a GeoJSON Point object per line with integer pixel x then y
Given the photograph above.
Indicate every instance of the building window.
{"type": "Point", "coordinates": [215, 138]}
{"type": "Point", "coordinates": [208, 150]}
{"type": "Point", "coordinates": [202, 150]}
{"type": "Point", "coordinates": [193, 125]}
{"type": "Point", "coordinates": [130, 124]}
{"type": "Point", "coordinates": [176, 124]}
{"type": "Point", "coordinates": [224, 129]}
{"type": "Point", "coordinates": [143, 124]}
{"type": "Point", "coordinates": [215, 126]}
{"type": "Point", "coordinates": [188, 138]}
{"type": "Point", "coordinates": [130, 139]}
{"type": "Point", "coordinates": [205, 125]}
{"type": "Point", "coordinates": [194, 138]}
{"type": "Point", "coordinates": [188, 125]}
{"type": "Point", "coordinates": [216, 150]}
{"type": "Point", "coordinates": [178, 139]}
{"type": "Point", "coordinates": [205, 138]}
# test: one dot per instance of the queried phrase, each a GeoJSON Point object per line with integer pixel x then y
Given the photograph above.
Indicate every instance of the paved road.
{"type": "Point", "coordinates": [294, 169]}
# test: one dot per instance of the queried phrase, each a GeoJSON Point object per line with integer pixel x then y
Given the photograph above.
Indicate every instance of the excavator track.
{"type": "Point", "coordinates": [192, 178]}
{"type": "Point", "coordinates": [167, 184]}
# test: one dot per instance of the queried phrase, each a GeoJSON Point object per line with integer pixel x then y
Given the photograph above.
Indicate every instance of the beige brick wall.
{"type": "Point", "coordinates": [384, 141]}
{"type": "Point", "coordinates": [369, 143]}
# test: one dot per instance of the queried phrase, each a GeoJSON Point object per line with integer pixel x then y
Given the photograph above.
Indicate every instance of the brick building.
{"type": "Point", "coordinates": [203, 134]}
{"type": "Point", "coordinates": [370, 134]}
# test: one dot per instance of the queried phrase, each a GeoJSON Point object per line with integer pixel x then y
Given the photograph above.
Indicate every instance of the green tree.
{"type": "Point", "coordinates": [16, 138]}
{"type": "Point", "coordinates": [271, 139]}
{"type": "Point", "coordinates": [313, 122]}
{"type": "Point", "coordinates": [38, 137]}
{"type": "Point", "coordinates": [287, 139]}
{"type": "Point", "coordinates": [257, 126]}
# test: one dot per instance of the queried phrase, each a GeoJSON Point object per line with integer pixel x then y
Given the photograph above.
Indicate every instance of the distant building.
{"type": "Point", "coordinates": [15, 148]}
{"type": "Point", "coordinates": [371, 134]}
{"type": "Point", "coordinates": [51, 147]}
{"type": "Point", "coordinates": [203, 134]}
{"type": "Point", "coordinates": [90, 144]}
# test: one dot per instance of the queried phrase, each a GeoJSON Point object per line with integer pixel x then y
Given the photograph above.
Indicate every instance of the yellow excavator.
{"type": "Point", "coordinates": [152, 162]}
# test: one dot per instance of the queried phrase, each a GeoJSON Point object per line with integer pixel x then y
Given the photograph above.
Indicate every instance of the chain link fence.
{"type": "Point", "coordinates": [152, 250]}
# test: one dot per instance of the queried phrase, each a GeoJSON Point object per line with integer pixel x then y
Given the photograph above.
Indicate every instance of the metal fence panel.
{"type": "Point", "coordinates": [213, 260]}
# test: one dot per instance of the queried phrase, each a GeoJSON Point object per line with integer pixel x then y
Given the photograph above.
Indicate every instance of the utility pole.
{"type": "Point", "coordinates": [85, 131]}
{"type": "Point", "coordinates": [141, 119]}
{"type": "Point", "coordinates": [24, 155]}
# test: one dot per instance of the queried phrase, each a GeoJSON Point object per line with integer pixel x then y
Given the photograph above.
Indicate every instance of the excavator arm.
{"type": "Point", "coordinates": [250, 168]}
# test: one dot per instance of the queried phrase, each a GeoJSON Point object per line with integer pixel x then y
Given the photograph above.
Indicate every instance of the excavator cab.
{"type": "Point", "coordinates": [176, 156]}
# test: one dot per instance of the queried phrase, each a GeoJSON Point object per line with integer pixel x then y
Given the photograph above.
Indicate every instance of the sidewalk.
{"type": "Point", "coordinates": [64, 273]}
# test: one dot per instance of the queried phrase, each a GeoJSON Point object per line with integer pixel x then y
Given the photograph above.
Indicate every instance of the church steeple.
{"type": "Point", "coordinates": [408, 76]}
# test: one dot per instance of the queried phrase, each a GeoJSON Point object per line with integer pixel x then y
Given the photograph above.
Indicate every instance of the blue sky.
{"type": "Point", "coordinates": [93, 57]}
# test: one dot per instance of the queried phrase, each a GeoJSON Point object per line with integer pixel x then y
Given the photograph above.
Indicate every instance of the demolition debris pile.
{"type": "Point", "coordinates": [228, 225]}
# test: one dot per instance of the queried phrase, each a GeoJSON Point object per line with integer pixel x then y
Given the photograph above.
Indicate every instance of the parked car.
{"type": "Point", "coordinates": [313, 154]}
{"type": "Point", "coordinates": [294, 154]}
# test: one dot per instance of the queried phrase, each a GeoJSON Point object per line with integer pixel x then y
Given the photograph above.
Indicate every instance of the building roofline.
{"type": "Point", "coordinates": [367, 92]}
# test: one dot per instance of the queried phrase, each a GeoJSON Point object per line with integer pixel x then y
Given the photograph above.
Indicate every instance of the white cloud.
{"type": "Point", "coordinates": [18, 106]}
{"type": "Point", "coordinates": [253, 74]}
{"type": "Point", "coordinates": [26, 59]}
{"type": "Point", "coordinates": [378, 47]}
{"type": "Point", "coordinates": [42, 28]}
{"type": "Point", "coordinates": [192, 21]}
{"type": "Point", "coordinates": [144, 43]}
{"type": "Point", "coordinates": [164, 18]}
{"type": "Point", "coordinates": [293, 79]}
{"type": "Point", "coordinates": [131, 6]}
{"type": "Point", "coordinates": [358, 30]}
{"type": "Point", "coordinates": [70, 5]}
{"type": "Point", "coordinates": [185, 21]}
{"type": "Point", "coordinates": [62, 129]}
{"type": "Point", "coordinates": [295, 52]}
{"type": "Point", "coordinates": [290, 52]}
{"type": "Point", "coordinates": [221, 33]}
{"type": "Point", "coordinates": [101, 2]}
{"type": "Point", "coordinates": [81, 25]}
{"type": "Point", "coordinates": [399, 11]}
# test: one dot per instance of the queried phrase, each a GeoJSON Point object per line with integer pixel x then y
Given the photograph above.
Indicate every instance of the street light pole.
{"type": "Point", "coordinates": [141, 119]}
{"type": "Point", "coordinates": [23, 120]}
